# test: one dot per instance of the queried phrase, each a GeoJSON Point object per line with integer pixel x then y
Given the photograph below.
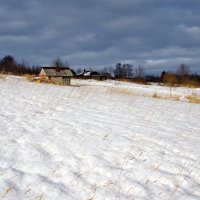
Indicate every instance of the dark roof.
{"type": "Point", "coordinates": [61, 68]}
{"type": "Point", "coordinates": [56, 72]}
{"type": "Point", "coordinates": [94, 73]}
{"type": "Point", "coordinates": [73, 72]}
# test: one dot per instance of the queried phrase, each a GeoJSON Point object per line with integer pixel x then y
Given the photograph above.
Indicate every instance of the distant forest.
{"type": "Point", "coordinates": [182, 76]}
{"type": "Point", "coordinates": [8, 65]}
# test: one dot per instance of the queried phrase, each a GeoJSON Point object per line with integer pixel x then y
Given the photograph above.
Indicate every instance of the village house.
{"type": "Point", "coordinates": [93, 75]}
{"type": "Point", "coordinates": [57, 74]}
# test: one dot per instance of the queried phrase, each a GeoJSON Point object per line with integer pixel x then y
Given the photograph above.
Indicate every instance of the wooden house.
{"type": "Point", "coordinates": [59, 74]}
{"type": "Point", "coordinates": [93, 75]}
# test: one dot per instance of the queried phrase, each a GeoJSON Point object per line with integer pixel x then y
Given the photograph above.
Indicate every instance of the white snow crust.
{"type": "Point", "coordinates": [97, 141]}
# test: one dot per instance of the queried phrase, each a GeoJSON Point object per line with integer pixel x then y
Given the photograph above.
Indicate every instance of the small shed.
{"type": "Point", "coordinates": [57, 74]}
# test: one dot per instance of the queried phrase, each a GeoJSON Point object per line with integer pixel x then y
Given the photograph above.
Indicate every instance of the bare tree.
{"type": "Point", "coordinates": [67, 65]}
{"type": "Point", "coordinates": [129, 70]}
{"type": "Point", "coordinates": [58, 63]}
{"type": "Point", "coordinates": [183, 71]}
{"type": "Point", "coordinates": [8, 64]}
{"type": "Point", "coordinates": [107, 70]}
{"type": "Point", "coordinates": [104, 71]}
{"type": "Point", "coordinates": [110, 70]}
{"type": "Point", "coordinates": [170, 79]}
{"type": "Point", "coordinates": [139, 72]}
{"type": "Point", "coordinates": [123, 70]}
{"type": "Point", "coordinates": [118, 71]}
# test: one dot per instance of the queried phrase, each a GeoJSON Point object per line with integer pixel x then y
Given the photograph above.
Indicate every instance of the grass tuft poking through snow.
{"type": "Point", "coordinates": [169, 96]}
{"type": "Point", "coordinates": [194, 98]}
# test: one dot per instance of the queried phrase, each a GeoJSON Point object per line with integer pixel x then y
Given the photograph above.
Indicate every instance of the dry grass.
{"type": "Point", "coordinates": [155, 95]}
{"type": "Point", "coordinates": [44, 79]}
{"type": "Point", "coordinates": [30, 77]}
{"type": "Point", "coordinates": [118, 90]}
{"type": "Point", "coordinates": [192, 84]}
{"type": "Point", "coordinates": [6, 192]}
{"type": "Point", "coordinates": [129, 92]}
{"type": "Point", "coordinates": [193, 98]}
{"type": "Point", "coordinates": [36, 79]}
{"type": "Point", "coordinates": [2, 77]}
{"type": "Point", "coordinates": [141, 81]}
{"type": "Point", "coordinates": [170, 97]}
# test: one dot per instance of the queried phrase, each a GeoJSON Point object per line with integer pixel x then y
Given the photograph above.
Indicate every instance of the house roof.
{"type": "Point", "coordinates": [56, 72]}
{"type": "Point", "coordinates": [94, 73]}
{"type": "Point", "coordinates": [87, 74]}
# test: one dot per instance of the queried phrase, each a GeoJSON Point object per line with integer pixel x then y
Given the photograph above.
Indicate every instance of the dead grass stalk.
{"type": "Point", "coordinates": [193, 98]}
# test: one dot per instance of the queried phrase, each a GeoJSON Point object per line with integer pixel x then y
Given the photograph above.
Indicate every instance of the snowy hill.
{"type": "Point", "coordinates": [97, 141]}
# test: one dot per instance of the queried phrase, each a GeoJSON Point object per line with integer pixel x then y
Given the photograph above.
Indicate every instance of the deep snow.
{"type": "Point", "coordinates": [97, 140]}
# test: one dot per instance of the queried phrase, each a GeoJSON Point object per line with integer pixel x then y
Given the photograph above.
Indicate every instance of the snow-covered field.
{"type": "Point", "coordinates": [97, 141]}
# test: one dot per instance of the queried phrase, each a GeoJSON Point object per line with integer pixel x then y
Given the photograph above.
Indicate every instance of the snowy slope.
{"type": "Point", "coordinates": [97, 141]}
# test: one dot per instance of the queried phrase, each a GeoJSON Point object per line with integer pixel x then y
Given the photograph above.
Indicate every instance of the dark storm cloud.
{"type": "Point", "coordinates": [154, 33]}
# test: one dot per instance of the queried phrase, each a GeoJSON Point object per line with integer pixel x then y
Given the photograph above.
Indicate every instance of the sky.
{"type": "Point", "coordinates": [157, 34]}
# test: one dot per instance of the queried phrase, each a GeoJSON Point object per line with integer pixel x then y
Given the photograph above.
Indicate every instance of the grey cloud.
{"type": "Point", "coordinates": [153, 33]}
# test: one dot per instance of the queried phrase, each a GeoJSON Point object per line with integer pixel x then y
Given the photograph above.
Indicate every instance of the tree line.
{"type": "Point", "coordinates": [182, 76]}
{"type": "Point", "coordinates": [8, 65]}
